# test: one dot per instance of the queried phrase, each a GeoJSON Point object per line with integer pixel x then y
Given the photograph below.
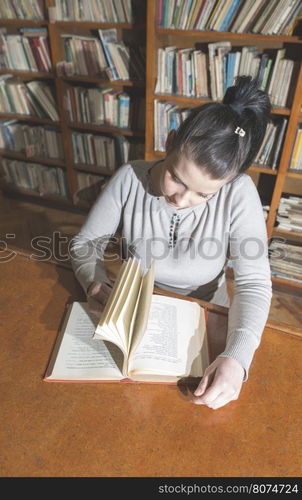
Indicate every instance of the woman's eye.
{"type": "Point", "coordinates": [175, 179]}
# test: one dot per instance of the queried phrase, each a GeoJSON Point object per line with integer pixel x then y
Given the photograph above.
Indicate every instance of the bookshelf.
{"type": "Point", "coordinates": [130, 32]}
{"type": "Point", "coordinates": [271, 184]}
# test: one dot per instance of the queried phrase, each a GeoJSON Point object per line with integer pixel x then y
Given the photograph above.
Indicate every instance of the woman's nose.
{"type": "Point", "coordinates": [184, 199]}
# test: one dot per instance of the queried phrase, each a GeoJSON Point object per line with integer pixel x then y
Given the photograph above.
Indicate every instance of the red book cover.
{"type": "Point", "coordinates": [35, 44]}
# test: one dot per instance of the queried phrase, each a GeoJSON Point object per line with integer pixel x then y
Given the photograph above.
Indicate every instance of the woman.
{"type": "Point", "coordinates": [191, 212]}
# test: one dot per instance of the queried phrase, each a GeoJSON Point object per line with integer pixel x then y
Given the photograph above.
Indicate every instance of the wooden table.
{"type": "Point", "coordinates": [115, 430]}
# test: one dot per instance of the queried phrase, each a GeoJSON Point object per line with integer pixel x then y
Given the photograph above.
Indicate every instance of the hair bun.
{"type": "Point", "coordinates": [245, 95]}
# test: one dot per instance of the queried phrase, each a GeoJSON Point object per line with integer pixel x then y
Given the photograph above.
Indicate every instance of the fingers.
{"type": "Point", "coordinates": [214, 398]}
{"type": "Point", "coordinates": [206, 381]}
{"type": "Point", "coordinates": [100, 291]}
{"type": "Point", "coordinates": [221, 400]}
{"type": "Point", "coordinates": [209, 397]}
{"type": "Point", "coordinates": [221, 384]}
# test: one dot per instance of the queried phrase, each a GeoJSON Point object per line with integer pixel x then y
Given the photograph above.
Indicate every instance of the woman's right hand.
{"type": "Point", "coordinates": [97, 296]}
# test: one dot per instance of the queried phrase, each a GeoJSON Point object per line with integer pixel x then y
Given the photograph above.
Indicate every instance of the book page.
{"type": "Point", "coordinates": [141, 314]}
{"type": "Point", "coordinates": [174, 342]}
{"type": "Point", "coordinates": [120, 298]}
{"type": "Point", "coordinates": [124, 318]}
{"type": "Point", "coordinates": [78, 355]}
{"type": "Point", "coordinates": [103, 330]}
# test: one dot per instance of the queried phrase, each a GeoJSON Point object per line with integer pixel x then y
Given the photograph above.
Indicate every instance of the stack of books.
{"type": "Point", "coordinates": [196, 73]}
{"type": "Point", "coordinates": [107, 57]}
{"type": "Point", "coordinates": [27, 51]}
{"type": "Point", "coordinates": [289, 216]}
{"type": "Point", "coordinates": [31, 140]}
{"type": "Point", "coordinates": [102, 11]}
{"type": "Point", "coordinates": [35, 177]}
{"type": "Point", "coordinates": [296, 156]}
{"type": "Point", "coordinates": [269, 17]}
{"type": "Point", "coordinates": [22, 9]}
{"type": "Point", "coordinates": [286, 260]}
{"type": "Point", "coordinates": [33, 98]}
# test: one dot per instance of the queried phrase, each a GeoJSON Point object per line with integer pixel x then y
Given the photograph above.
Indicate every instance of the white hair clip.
{"type": "Point", "coordinates": [240, 131]}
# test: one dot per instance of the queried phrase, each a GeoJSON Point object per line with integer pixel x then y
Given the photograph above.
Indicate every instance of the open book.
{"type": "Point", "coordinates": [140, 336]}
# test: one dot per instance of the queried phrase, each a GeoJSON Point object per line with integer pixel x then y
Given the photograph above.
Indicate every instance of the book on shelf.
{"type": "Point", "coordinates": [109, 37]}
{"type": "Point", "coordinates": [285, 260]}
{"type": "Point", "coordinates": [140, 336]}
{"type": "Point", "coordinates": [42, 93]}
{"type": "Point", "coordinates": [270, 17]}
{"type": "Point", "coordinates": [269, 151]}
{"type": "Point", "coordinates": [28, 98]}
{"type": "Point", "coordinates": [22, 9]}
{"type": "Point", "coordinates": [289, 215]}
{"type": "Point", "coordinates": [279, 143]}
{"type": "Point", "coordinates": [105, 56]}
{"type": "Point", "coordinates": [167, 116]}
{"type": "Point", "coordinates": [194, 73]}
{"type": "Point", "coordinates": [86, 54]}
{"type": "Point", "coordinates": [296, 155]}
{"type": "Point", "coordinates": [35, 177]}
{"type": "Point", "coordinates": [105, 152]}
{"type": "Point", "coordinates": [27, 51]}
{"type": "Point", "coordinates": [103, 11]}
{"type": "Point", "coordinates": [31, 140]}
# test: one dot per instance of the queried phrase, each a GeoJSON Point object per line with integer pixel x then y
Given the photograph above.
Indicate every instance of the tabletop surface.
{"type": "Point", "coordinates": [126, 430]}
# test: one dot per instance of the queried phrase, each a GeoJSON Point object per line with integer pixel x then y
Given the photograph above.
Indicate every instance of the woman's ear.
{"type": "Point", "coordinates": [170, 140]}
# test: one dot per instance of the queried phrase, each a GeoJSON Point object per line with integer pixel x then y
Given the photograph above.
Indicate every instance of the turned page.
{"type": "Point", "coordinates": [102, 330]}
{"type": "Point", "coordinates": [174, 342]}
{"type": "Point", "coordinates": [77, 356]}
{"type": "Point", "coordinates": [111, 327]}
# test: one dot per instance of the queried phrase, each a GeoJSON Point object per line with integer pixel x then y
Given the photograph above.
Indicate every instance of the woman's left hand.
{"type": "Point", "coordinates": [221, 383]}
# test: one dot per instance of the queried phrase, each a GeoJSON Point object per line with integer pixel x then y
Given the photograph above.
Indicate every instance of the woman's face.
{"type": "Point", "coordinates": [184, 184]}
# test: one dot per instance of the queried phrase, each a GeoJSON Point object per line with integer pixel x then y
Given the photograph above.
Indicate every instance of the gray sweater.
{"type": "Point", "coordinates": [190, 247]}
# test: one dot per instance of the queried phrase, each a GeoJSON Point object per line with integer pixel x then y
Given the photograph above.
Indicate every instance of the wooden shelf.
{"type": "Point", "coordinates": [253, 168]}
{"type": "Point", "coordinates": [93, 170]}
{"type": "Point", "coordinates": [29, 118]}
{"type": "Point", "coordinates": [284, 232]}
{"type": "Point", "coordinates": [107, 129]}
{"type": "Point", "coordinates": [7, 187]}
{"type": "Point", "coordinates": [27, 74]}
{"type": "Point", "coordinates": [97, 25]}
{"type": "Point", "coordinates": [262, 169]}
{"type": "Point", "coordinates": [198, 101]}
{"type": "Point", "coordinates": [33, 159]}
{"type": "Point", "coordinates": [285, 282]}
{"type": "Point", "coordinates": [100, 81]}
{"type": "Point", "coordinates": [212, 35]}
{"type": "Point", "coordinates": [24, 22]}
{"type": "Point", "coordinates": [294, 175]}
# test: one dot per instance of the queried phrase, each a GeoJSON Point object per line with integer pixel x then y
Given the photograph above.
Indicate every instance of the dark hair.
{"type": "Point", "coordinates": [208, 136]}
